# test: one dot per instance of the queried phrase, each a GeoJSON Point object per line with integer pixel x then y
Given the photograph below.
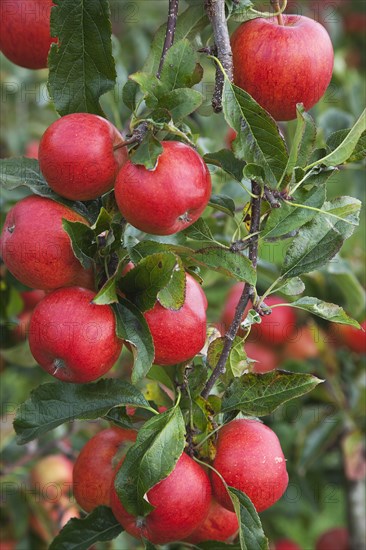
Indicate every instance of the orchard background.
{"type": "Point", "coordinates": [318, 413]}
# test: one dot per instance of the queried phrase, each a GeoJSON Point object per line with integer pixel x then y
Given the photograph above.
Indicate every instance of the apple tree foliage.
{"type": "Point", "coordinates": [311, 227]}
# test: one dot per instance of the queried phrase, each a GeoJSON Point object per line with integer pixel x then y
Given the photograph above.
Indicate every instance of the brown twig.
{"type": "Point", "coordinates": [170, 32]}
{"type": "Point", "coordinates": [216, 13]}
{"type": "Point", "coordinates": [244, 298]}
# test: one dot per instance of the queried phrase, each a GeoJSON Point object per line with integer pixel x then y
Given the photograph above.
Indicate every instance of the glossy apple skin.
{"type": "Point", "coordinates": [286, 545]}
{"type": "Point", "coordinates": [179, 335]}
{"type": "Point", "coordinates": [73, 339]}
{"type": "Point", "coordinates": [182, 501]}
{"type": "Point", "coordinates": [95, 467]}
{"type": "Point", "coordinates": [25, 36]}
{"type": "Point", "coordinates": [334, 539]}
{"type": "Point", "coordinates": [169, 198]}
{"type": "Point", "coordinates": [249, 458]}
{"type": "Point", "coordinates": [36, 249]}
{"type": "Point", "coordinates": [76, 156]}
{"type": "Point", "coordinates": [276, 328]}
{"type": "Point", "coordinates": [220, 524]}
{"type": "Point", "coordinates": [282, 65]}
{"type": "Point", "coordinates": [354, 338]}
{"type": "Point", "coordinates": [266, 358]}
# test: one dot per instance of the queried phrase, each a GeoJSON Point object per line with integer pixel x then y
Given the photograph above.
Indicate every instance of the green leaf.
{"type": "Point", "coordinates": [81, 534]}
{"type": "Point", "coordinates": [302, 144]}
{"type": "Point", "coordinates": [282, 221]}
{"type": "Point", "coordinates": [258, 139]}
{"type": "Point", "coordinates": [103, 222]}
{"type": "Point", "coordinates": [181, 102]}
{"type": "Point", "coordinates": [150, 85]}
{"type": "Point", "coordinates": [316, 244]}
{"type": "Point", "coordinates": [146, 248]}
{"type": "Point", "coordinates": [143, 283]}
{"type": "Point", "coordinates": [82, 241]}
{"type": "Point", "coordinates": [15, 172]}
{"type": "Point", "coordinates": [261, 394]}
{"type": "Point", "coordinates": [251, 533]}
{"type": "Point", "coordinates": [256, 173]}
{"type": "Point", "coordinates": [129, 93]}
{"type": "Point", "coordinates": [189, 23]}
{"type": "Point", "coordinates": [347, 208]}
{"type": "Point", "coordinates": [214, 545]}
{"type": "Point", "coordinates": [133, 328]}
{"type": "Point", "coordinates": [81, 63]}
{"type": "Point", "coordinates": [159, 445]}
{"type": "Point", "coordinates": [172, 296]}
{"type": "Point", "coordinates": [359, 152]}
{"type": "Point", "coordinates": [346, 148]}
{"type": "Point", "coordinates": [53, 404]}
{"type": "Point", "coordinates": [223, 203]}
{"type": "Point", "coordinates": [179, 66]}
{"type": "Point", "coordinates": [292, 287]}
{"type": "Point", "coordinates": [147, 153]}
{"type": "Point", "coordinates": [238, 360]}
{"type": "Point", "coordinates": [325, 310]}
{"type": "Point", "coordinates": [227, 161]}
{"type": "Point", "coordinates": [199, 231]}
{"type": "Point", "coordinates": [228, 263]}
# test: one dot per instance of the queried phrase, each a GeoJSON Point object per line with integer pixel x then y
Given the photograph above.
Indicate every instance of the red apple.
{"type": "Point", "coordinates": [266, 358]}
{"type": "Point", "coordinates": [25, 32]}
{"type": "Point", "coordinates": [77, 156]}
{"type": "Point", "coordinates": [179, 335]}
{"type": "Point", "coordinates": [31, 298]}
{"type": "Point", "coordinates": [334, 539]}
{"type": "Point", "coordinates": [301, 345]}
{"type": "Point", "coordinates": [353, 338]}
{"type": "Point", "coordinates": [37, 250]}
{"type": "Point", "coordinates": [31, 150]}
{"type": "Point", "coordinates": [277, 327]}
{"type": "Point", "coordinates": [181, 501]}
{"type": "Point", "coordinates": [72, 338]}
{"type": "Point", "coordinates": [95, 466]}
{"type": "Point", "coordinates": [286, 545]}
{"type": "Point", "coordinates": [169, 198]}
{"type": "Point", "coordinates": [220, 524]}
{"type": "Point", "coordinates": [282, 65]}
{"type": "Point", "coordinates": [249, 458]}
{"type": "Point", "coordinates": [51, 479]}
{"type": "Point", "coordinates": [7, 544]}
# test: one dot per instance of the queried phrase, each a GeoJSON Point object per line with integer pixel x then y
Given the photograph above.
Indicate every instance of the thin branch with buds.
{"type": "Point", "coordinates": [244, 298]}
{"type": "Point", "coordinates": [216, 13]}
{"type": "Point", "coordinates": [170, 32]}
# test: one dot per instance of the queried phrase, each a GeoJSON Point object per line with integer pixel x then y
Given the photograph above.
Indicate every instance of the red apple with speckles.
{"type": "Point", "coordinates": [334, 539]}
{"type": "Point", "coordinates": [168, 198]}
{"type": "Point", "coordinates": [95, 466]}
{"type": "Point", "coordinates": [77, 156]}
{"type": "Point", "coordinates": [220, 524]}
{"type": "Point", "coordinates": [249, 458]}
{"type": "Point", "coordinates": [282, 65]}
{"type": "Point", "coordinates": [179, 335]}
{"type": "Point", "coordinates": [286, 544]}
{"type": "Point", "coordinates": [73, 339]}
{"type": "Point", "coordinates": [36, 249]}
{"type": "Point", "coordinates": [266, 359]}
{"type": "Point", "coordinates": [181, 501]}
{"type": "Point", "coordinates": [353, 338]}
{"type": "Point", "coordinates": [276, 328]}
{"type": "Point", "coordinates": [25, 36]}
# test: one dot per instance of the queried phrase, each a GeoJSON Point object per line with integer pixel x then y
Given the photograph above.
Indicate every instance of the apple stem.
{"type": "Point", "coordinates": [277, 9]}
{"type": "Point", "coordinates": [248, 291]}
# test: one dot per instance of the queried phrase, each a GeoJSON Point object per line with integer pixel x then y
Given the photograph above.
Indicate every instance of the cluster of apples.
{"type": "Point", "coordinates": [70, 337]}
{"type": "Point", "coordinates": [336, 538]}
{"type": "Point", "coordinates": [190, 504]}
